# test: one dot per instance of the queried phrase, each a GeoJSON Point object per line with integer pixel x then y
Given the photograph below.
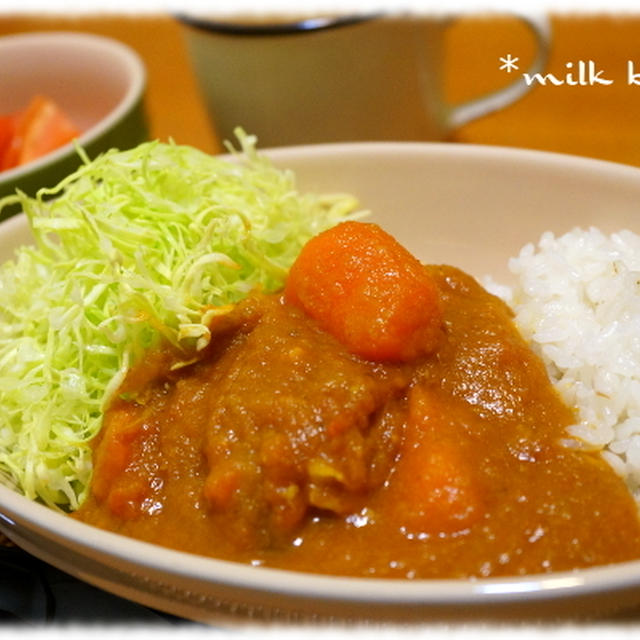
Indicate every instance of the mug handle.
{"type": "Point", "coordinates": [460, 114]}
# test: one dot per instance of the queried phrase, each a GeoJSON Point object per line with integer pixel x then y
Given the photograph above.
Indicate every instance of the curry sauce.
{"type": "Point", "coordinates": [279, 446]}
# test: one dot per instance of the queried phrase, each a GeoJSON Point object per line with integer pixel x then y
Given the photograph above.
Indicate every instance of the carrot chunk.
{"type": "Point", "coordinates": [435, 489]}
{"type": "Point", "coordinates": [368, 291]}
{"type": "Point", "coordinates": [126, 497]}
{"type": "Point", "coordinates": [119, 479]}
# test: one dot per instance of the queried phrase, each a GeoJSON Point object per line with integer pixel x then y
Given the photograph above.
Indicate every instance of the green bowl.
{"type": "Point", "coordinates": [98, 82]}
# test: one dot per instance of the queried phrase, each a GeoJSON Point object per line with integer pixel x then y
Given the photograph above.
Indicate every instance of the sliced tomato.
{"type": "Point", "coordinates": [33, 132]}
{"type": "Point", "coordinates": [7, 129]}
{"type": "Point", "coordinates": [43, 127]}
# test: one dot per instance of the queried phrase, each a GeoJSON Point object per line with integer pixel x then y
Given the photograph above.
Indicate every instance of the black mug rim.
{"type": "Point", "coordinates": [294, 27]}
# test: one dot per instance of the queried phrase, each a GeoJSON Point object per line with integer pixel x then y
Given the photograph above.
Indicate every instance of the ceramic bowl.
{"type": "Point", "coordinates": [98, 82]}
{"type": "Point", "coordinates": [470, 206]}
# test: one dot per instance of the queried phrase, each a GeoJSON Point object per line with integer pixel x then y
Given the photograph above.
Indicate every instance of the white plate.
{"type": "Point", "coordinates": [470, 206]}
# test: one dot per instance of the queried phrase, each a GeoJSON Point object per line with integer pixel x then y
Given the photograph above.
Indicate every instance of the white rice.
{"type": "Point", "coordinates": [577, 300]}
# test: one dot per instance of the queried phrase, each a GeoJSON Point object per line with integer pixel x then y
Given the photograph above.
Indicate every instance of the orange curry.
{"type": "Point", "coordinates": [378, 417]}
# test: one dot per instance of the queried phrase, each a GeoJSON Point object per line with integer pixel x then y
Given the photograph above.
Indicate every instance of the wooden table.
{"type": "Point", "coordinates": [596, 121]}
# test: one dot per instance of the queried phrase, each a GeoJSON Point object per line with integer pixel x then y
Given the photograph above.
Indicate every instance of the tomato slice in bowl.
{"type": "Point", "coordinates": [7, 130]}
{"type": "Point", "coordinates": [35, 131]}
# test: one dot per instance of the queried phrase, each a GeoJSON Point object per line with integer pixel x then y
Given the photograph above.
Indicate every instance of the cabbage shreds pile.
{"type": "Point", "coordinates": [133, 246]}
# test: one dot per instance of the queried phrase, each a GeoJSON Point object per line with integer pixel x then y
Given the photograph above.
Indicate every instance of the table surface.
{"type": "Point", "coordinates": [594, 121]}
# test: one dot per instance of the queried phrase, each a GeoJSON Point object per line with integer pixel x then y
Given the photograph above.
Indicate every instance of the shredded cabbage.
{"type": "Point", "coordinates": [134, 245]}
